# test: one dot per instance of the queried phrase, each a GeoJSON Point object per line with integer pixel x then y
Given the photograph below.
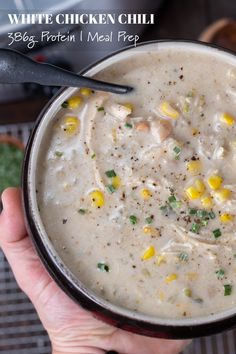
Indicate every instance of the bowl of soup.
{"type": "Point", "coordinates": [131, 199]}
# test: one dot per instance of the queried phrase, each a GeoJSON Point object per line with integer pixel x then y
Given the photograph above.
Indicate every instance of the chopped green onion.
{"type": "Point", "coordinates": [186, 107]}
{"type": "Point", "coordinates": [172, 199]}
{"type": "Point", "coordinates": [110, 173]}
{"type": "Point", "coordinates": [103, 267]}
{"type": "Point", "coordinates": [195, 228]}
{"type": "Point", "coordinates": [217, 233]}
{"type": "Point", "coordinates": [188, 292]}
{"type": "Point", "coordinates": [174, 203]}
{"type": "Point", "coordinates": [190, 94]}
{"type": "Point", "coordinates": [227, 289]}
{"type": "Point", "coordinates": [220, 273]}
{"type": "Point", "coordinates": [149, 220]}
{"type": "Point", "coordinates": [100, 109]}
{"type": "Point", "coordinates": [93, 156]}
{"type": "Point", "coordinates": [183, 257]}
{"type": "Point", "coordinates": [204, 222]}
{"type": "Point", "coordinates": [58, 153]}
{"type": "Point", "coordinates": [192, 211]}
{"type": "Point", "coordinates": [65, 104]}
{"type": "Point", "coordinates": [177, 151]}
{"type": "Point", "coordinates": [202, 214]}
{"type": "Point", "coordinates": [110, 188]}
{"type": "Point", "coordinates": [212, 215]}
{"type": "Point", "coordinates": [82, 211]}
{"type": "Point", "coordinates": [235, 255]}
{"type": "Point", "coordinates": [133, 219]}
{"type": "Point", "coordinates": [128, 125]}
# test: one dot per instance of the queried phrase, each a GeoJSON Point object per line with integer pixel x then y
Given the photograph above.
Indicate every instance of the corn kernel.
{"type": "Point", "coordinates": [145, 193]}
{"type": "Point", "coordinates": [207, 202]}
{"type": "Point", "coordinates": [129, 105]}
{"type": "Point", "coordinates": [200, 186]}
{"type": "Point", "coordinates": [74, 102]}
{"type": "Point", "coordinates": [161, 259]}
{"type": "Point", "coordinates": [147, 230]}
{"type": "Point", "coordinates": [171, 278]}
{"type": "Point", "coordinates": [149, 253]}
{"type": "Point", "coordinates": [71, 124]}
{"type": "Point", "coordinates": [97, 198]}
{"type": "Point", "coordinates": [214, 182]}
{"type": "Point", "coordinates": [193, 193]}
{"type": "Point", "coordinates": [151, 231]}
{"type": "Point", "coordinates": [116, 182]}
{"type": "Point", "coordinates": [167, 110]}
{"type": "Point", "coordinates": [85, 91]}
{"type": "Point", "coordinates": [226, 217]}
{"type": "Point", "coordinates": [227, 119]}
{"type": "Point", "coordinates": [222, 195]}
{"type": "Point", "coordinates": [194, 167]}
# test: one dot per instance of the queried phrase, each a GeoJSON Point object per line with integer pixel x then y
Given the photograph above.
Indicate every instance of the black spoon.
{"type": "Point", "coordinates": [17, 68]}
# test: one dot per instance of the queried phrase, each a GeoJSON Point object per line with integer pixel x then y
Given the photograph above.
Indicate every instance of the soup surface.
{"type": "Point", "coordinates": [138, 192]}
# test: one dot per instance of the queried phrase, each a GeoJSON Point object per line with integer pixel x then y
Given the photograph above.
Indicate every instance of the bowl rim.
{"type": "Point", "coordinates": [102, 309]}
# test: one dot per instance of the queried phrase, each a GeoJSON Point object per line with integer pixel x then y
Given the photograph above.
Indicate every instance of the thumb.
{"type": "Point", "coordinates": [18, 247]}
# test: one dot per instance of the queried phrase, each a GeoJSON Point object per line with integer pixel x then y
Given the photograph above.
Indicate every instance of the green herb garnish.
{"type": "Point", "coordinates": [58, 153]}
{"type": "Point", "coordinates": [149, 219]}
{"type": "Point", "coordinates": [220, 273]}
{"type": "Point", "coordinates": [93, 156]}
{"type": "Point", "coordinates": [103, 267]}
{"type": "Point", "coordinates": [133, 219]}
{"type": "Point", "coordinates": [195, 228]}
{"type": "Point", "coordinates": [217, 233]}
{"type": "Point", "coordinates": [82, 211]}
{"type": "Point", "coordinates": [212, 215]}
{"type": "Point", "coordinates": [65, 104]}
{"type": "Point", "coordinates": [174, 203]}
{"type": "Point", "coordinates": [204, 222]}
{"type": "Point", "coordinates": [111, 189]}
{"type": "Point", "coordinates": [128, 125]}
{"type": "Point", "coordinates": [177, 151]}
{"type": "Point", "coordinates": [183, 257]}
{"type": "Point", "coordinates": [110, 173]}
{"type": "Point", "coordinates": [201, 214]}
{"type": "Point", "coordinates": [100, 109]}
{"type": "Point", "coordinates": [192, 211]}
{"type": "Point", "coordinates": [227, 289]}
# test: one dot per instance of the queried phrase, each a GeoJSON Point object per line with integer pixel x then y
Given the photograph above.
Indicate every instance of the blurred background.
{"type": "Point", "coordinates": [209, 20]}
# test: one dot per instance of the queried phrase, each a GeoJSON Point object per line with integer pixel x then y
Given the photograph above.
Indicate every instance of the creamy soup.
{"type": "Point", "coordinates": [138, 192]}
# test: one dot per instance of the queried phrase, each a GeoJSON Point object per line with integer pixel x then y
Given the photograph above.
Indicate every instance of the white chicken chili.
{"type": "Point", "coordinates": [138, 192]}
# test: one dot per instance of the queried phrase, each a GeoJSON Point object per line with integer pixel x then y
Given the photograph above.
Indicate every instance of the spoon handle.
{"type": "Point", "coordinates": [18, 68]}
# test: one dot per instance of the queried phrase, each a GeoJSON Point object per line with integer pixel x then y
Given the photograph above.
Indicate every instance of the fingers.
{"type": "Point", "coordinates": [18, 248]}
{"type": "Point", "coordinates": [12, 217]}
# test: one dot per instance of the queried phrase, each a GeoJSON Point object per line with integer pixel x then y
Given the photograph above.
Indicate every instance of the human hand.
{"type": "Point", "coordinates": [71, 329]}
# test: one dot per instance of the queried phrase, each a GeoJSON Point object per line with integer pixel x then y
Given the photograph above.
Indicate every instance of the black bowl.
{"type": "Point", "coordinates": [100, 308]}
